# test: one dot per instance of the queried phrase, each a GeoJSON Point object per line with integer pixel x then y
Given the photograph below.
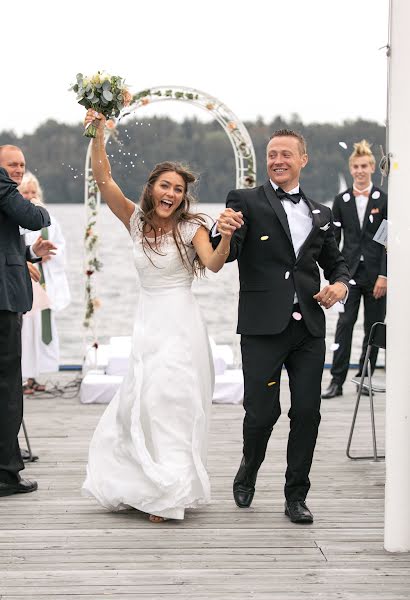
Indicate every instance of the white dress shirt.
{"type": "Point", "coordinates": [361, 205]}
{"type": "Point", "coordinates": [299, 220]}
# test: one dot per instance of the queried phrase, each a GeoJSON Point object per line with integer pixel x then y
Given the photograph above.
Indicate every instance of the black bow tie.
{"type": "Point", "coordinates": [295, 198]}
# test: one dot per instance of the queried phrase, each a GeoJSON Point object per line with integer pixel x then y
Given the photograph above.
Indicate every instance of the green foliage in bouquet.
{"type": "Point", "coordinates": [106, 94]}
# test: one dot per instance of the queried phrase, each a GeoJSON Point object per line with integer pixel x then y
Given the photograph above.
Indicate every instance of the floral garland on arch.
{"type": "Point", "coordinates": [236, 131]}
{"type": "Point", "coordinates": [245, 161]}
{"type": "Point", "coordinates": [92, 263]}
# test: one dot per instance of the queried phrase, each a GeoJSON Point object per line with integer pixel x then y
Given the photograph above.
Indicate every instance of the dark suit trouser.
{"type": "Point", "coordinates": [374, 311]}
{"type": "Point", "coordinates": [11, 396]}
{"type": "Point", "coordinates": [263, 357]}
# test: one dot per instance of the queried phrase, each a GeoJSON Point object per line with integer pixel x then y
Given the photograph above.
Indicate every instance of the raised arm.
{"type": "Point", "coordinates": [214, 259]}
{"type": "Point", "coordinates": [121, 206]}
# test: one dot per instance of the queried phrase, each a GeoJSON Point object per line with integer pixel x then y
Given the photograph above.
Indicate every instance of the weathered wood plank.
{"type": "Point", "coordinates": [57, 544]}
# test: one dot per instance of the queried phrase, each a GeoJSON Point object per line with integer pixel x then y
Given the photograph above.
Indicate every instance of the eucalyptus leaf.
{"type": "Point", "coordinates": [107, 94]}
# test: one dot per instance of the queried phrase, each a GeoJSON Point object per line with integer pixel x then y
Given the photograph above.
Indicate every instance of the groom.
{"type": "Point", "coordinates": [283, 239]}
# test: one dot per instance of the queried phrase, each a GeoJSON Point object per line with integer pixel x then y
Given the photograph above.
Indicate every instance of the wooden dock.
{"type": "Point", "coordinates": [56, 544]}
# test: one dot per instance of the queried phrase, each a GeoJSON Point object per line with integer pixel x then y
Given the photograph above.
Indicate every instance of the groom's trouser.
{"type": "Point", "coordinates": [263, 357]}
{"type": "Point", "coordinates": [11, 396]}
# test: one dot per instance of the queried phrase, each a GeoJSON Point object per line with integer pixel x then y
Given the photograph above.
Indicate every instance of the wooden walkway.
{"type": "Point", "coordinates": [56, 544]}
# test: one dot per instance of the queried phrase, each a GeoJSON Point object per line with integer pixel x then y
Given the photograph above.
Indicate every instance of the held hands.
{"type": "Point", "coordinates": [228, 222]}
{"type": "Point", "coordinates": [331, 294]}
{"type": "Point", "coordinates": [34, 272]}
{"type": "Point", "coordinates": [43, 248]}
{"type": "Point", "coordinates": [380, 288]}
{"type": "Point", "coordinates": [96, 118]}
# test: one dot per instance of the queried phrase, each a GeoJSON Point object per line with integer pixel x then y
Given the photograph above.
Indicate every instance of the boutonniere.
{"type": "Point", "coordinates": [325, 227]}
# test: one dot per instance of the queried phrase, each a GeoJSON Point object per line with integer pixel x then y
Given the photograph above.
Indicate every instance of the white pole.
{"type": "Point", "coordinates": [397, 500]}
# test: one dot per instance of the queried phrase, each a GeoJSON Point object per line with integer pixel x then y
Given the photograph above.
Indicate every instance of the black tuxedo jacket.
{"type": "Point", "coordinates": [16, 293]}
{"type": "Point", "coordinates": [359, 241]}
{"type": "Point", "coordinates": [269, 271]}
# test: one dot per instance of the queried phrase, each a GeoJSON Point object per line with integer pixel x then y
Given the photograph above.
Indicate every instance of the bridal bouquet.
{"type": "Point", "coordinates": [106, 94]}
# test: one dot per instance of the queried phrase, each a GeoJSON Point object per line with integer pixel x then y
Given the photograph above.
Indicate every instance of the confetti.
{"type": "Point", "coordinates": [297, 316]}
{"type": "Point", "coordinates": [337, 223]}
{"type": "Point", "coordinates": [343, 145]}
{"type": "Point", "coordinates": [287, 274]}
{"type": "Point", "coordinates": [316, 211]}
{"type": "Point", "coordinates": [264, 237]}
{"type": "Point", "coordinates": [352, 282]}
{"type": "Point", "coordinates": [334, 347]}
{"type": "Point", "coordinates": [371, 218]}
{"type": "Point", "coordinates": [271, 383]}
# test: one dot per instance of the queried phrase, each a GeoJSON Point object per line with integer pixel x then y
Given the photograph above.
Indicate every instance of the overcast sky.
{"type": "Point", "coordinates": [320, 59]}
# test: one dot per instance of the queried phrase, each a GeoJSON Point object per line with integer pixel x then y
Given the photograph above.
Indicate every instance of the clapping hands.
{"type": "Point", "coordinates": [43, 248]}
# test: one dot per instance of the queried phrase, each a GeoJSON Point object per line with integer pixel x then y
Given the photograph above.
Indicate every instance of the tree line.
{"type": "Point", "coordinates": [56, 152]}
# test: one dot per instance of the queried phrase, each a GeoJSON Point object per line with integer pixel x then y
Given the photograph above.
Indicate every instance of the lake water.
{"type": "Point", "coordinates": [217, 293]}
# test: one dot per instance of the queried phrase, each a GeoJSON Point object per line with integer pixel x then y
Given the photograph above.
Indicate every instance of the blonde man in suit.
{"type": "Point", "coordinates": [358, 213]}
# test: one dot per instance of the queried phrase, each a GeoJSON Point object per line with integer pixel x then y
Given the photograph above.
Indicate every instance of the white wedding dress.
{"type": "Point", "coordinates": [149, 448]}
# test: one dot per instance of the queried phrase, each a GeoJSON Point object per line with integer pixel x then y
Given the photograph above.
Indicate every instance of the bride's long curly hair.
{"type": "Point", "coordinates": [182, 214]}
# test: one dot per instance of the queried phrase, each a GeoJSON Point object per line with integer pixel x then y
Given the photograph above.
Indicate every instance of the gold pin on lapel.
{"type": "Point", "coordinates": [264, 237]}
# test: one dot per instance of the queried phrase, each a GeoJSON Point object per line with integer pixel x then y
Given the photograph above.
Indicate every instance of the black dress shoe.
{"type": "Point", "coordinates": [298, 512]}
{"type": "Point", "coordinates": [333, 390]}
{"type": "Point", "coordinates": [24, 486]}
{"type": "Point", "coordinates": [243, 495]}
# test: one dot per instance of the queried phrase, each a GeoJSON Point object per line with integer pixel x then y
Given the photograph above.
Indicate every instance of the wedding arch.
{"type": "Point", "coordinates": [245, 163]}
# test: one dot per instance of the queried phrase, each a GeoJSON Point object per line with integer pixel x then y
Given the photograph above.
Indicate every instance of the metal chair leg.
{"type": "Point", "coordinates": [366, 367]}
{"type": "Point", "coordinates": [31, 457]}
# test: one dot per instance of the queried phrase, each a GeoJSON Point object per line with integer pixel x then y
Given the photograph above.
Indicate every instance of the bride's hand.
{"type": "Point", "coordinates": [94, 117]}
{"type": "Point", "coordinates": [229, 221]}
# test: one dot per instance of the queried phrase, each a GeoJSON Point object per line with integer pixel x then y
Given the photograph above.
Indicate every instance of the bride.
{"type": "Point", "coordinates": [149, 448]}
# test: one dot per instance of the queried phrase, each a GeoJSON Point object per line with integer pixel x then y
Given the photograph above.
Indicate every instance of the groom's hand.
{"type": "Point", "coordinates": [229, 220]}
{"type": "Point", "coordinates": [331, 294]}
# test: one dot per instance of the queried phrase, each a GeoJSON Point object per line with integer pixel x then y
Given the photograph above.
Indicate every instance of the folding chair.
{"type": "Point", "coordinates": [377, 339]}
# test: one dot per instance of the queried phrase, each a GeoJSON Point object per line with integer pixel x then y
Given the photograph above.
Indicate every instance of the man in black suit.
{"type": "Point", "coordinates": [15, 299]}
{"type": "Point", "coordinates": [358, 213]}
{"type": "Point", "coordinates": [283, 238]}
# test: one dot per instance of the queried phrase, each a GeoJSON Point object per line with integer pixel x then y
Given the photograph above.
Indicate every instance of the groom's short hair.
{"type": "Point", "coordinates": [291, 133]}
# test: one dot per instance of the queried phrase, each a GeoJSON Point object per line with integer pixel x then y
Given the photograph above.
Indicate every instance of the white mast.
{"type": "Point", "coordinates": [397, 501]}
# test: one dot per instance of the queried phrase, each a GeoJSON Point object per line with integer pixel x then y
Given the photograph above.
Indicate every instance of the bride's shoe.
{"type": "Point", "coordinates": [157, 519]}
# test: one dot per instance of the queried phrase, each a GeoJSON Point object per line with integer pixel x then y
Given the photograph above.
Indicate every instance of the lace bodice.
{"type": "Point", "coordinates": [162, 269]}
